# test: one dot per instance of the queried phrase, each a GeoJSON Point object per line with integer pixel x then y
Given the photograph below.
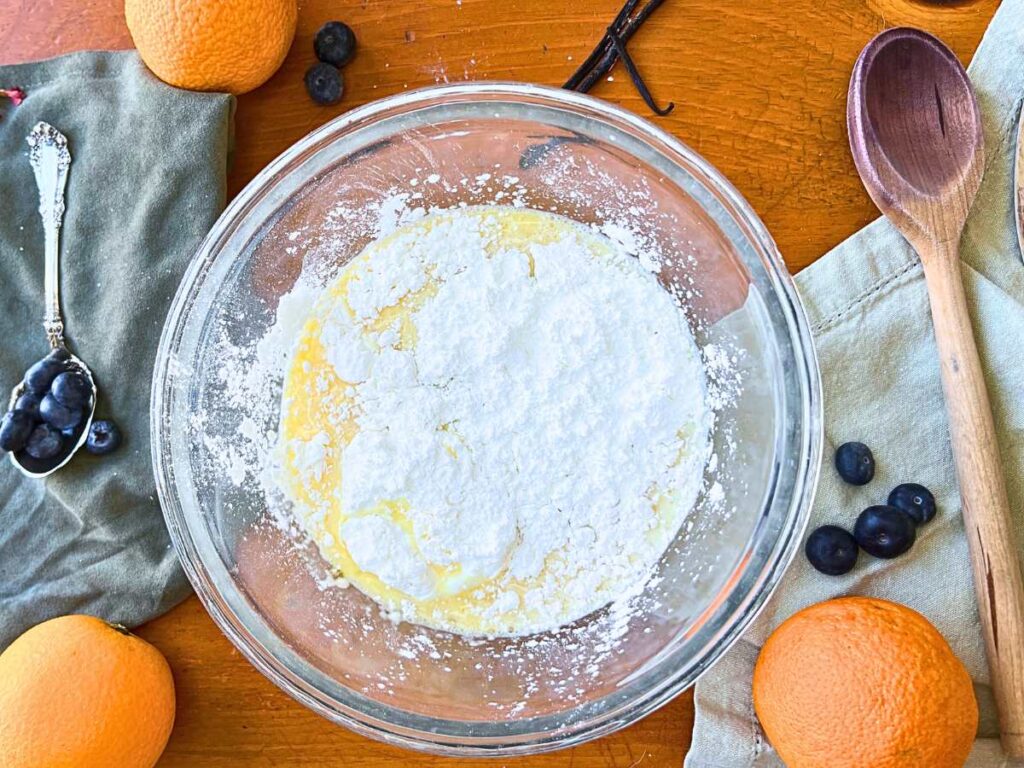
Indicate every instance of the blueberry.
{"type": "Point", "coordinates": [855, 463]}
{"type": "Point", "coordinates": [28, 403]}
{"type": "Point", "coordinates": [15, 427]}
{"type": "Point", "coordinates": [916, 500]}
{"type": "Point", "coordinates": [104, 437]}
{"type": "Point", "coordinates": [45, 442]}
{"type": "Point", "coordinates": [335, 43]}
{"type": "Point", "coordinates": [39, 377]}
{"type": "Point", "coordinates": [58, 415]}
{"type": "Point", "coordinates": [885, 531]}
{"type": "Point", "coordinates": [831, 550]}
{"type": "Point", "coordinates": [73, 389]}
{"type": "Point", "coordinates": [324, 84]}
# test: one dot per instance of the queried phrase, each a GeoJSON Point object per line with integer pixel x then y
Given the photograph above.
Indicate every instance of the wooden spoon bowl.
{"type": "Point", "coordinates": [915, 131]}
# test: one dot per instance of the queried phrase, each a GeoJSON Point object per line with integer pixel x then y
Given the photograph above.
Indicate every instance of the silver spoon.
{"type": "Point", "coordinates": [50, 160]}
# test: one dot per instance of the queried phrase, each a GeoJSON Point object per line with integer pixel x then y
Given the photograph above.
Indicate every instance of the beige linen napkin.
{"type": "Point", "coordinates": [868, 307]}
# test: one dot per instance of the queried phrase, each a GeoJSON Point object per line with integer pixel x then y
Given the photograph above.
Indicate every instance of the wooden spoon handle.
{"type": "Point", "coordinates": [986, 508]}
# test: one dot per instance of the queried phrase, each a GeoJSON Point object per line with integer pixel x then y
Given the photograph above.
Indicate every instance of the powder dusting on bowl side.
{"type": "Point", "coordinates": [245, 451]}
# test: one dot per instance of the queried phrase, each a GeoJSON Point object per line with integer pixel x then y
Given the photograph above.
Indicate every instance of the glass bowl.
{"type": "Point", "coordinates": [329, 647]}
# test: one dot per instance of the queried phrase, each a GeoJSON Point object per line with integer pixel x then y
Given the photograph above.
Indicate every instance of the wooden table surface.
{"type": "Point", "coordinates": [760, 91]}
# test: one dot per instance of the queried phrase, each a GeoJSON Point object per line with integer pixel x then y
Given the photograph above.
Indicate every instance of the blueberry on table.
{"type": "Point", "coordinates": [855, 463]}
{"type": "Point", "coordinates": [104, 437]}
{"type": "Point", "coordinates": [28, 403]}
{"type": "Point", "coordinates": [324, 84]}
{"type": "Point", "coordinates": [15, 428]}
{"type": "Point", "coordinates": [885, 531]}
{"type": "Point", "coordinates": [916, 500]}
{"type": "Point", "coordinates": [45, 442]}
{"type": "Point", "coordinates": [335, 43]}
{"type": "Point", "coordinates": [72, 388]}
{"type": "Point", "coordinates": [40, 376]}
{"type": "Point", "coordinates": [831, 550]}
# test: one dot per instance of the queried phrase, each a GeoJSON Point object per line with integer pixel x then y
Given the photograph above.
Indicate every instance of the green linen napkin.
{"type": "Point", "coordinates": [870, 315]}
{"type": "Point", "coordinates": [147, 181]}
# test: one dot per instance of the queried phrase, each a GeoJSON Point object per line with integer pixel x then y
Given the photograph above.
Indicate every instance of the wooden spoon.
{"type": "Point", "coordinates": [915, 131]}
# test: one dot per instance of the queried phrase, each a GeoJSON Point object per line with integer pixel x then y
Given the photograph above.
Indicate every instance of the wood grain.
{"type": "Point", "coordinates": [230, 716]}
{"type": "Point", "coordinates": [917, 140]}
{"type": "Point", "coordinates": [760, 91]}
{"type": "Point", "coordinates": [1018, 183]}
{"type": "Point", "coordinates": [986, 509]}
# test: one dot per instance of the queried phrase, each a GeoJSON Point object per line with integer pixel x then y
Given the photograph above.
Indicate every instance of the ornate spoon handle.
{"type": "Point", "coordinates": [48, 154]}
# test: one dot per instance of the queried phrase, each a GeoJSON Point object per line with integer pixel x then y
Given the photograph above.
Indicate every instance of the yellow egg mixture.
{"type": "Point", "coordinates": [321, 419]}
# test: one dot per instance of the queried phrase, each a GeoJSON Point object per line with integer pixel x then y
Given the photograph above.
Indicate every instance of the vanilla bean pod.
{"type": "Point", "coordinates": [638, 81]}
{"type": "Point", "coordinates": [610, 56]}
{"type": "Point", "coordinates": [535, 153]}
{"type": "Point", "coordinates": [619, 25]}
{"type": "Point", "coordinates": [613, 47]}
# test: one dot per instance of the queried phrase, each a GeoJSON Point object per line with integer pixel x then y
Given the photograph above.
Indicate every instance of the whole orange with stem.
{"type": "Point", "coordinates": [212, 45]}
{"type": "Point", "coordinates": [76, 692]}
{"type": "Point", "coordinates": [863, 683]}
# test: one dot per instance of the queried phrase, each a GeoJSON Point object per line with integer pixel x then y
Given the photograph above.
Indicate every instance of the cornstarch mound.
{"type": "Point", "coordinates": [494, 421]}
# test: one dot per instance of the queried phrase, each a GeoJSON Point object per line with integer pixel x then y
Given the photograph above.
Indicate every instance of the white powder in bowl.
{"type": "Point", "coordinates": [509, 421]}
{"type": "Point", "coordinates": [270, 543]}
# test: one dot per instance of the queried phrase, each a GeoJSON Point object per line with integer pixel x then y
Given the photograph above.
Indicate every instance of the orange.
{"type": "Point", "coordinates": [76, 692]}
{"type": "Point", "coordinates": [864, 683]}
{"type": "Point", "coordinates": [212, 45]}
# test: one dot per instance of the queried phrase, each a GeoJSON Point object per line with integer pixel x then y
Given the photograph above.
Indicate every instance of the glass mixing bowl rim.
{"type": "Point", "coordinates": [423, 732]}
